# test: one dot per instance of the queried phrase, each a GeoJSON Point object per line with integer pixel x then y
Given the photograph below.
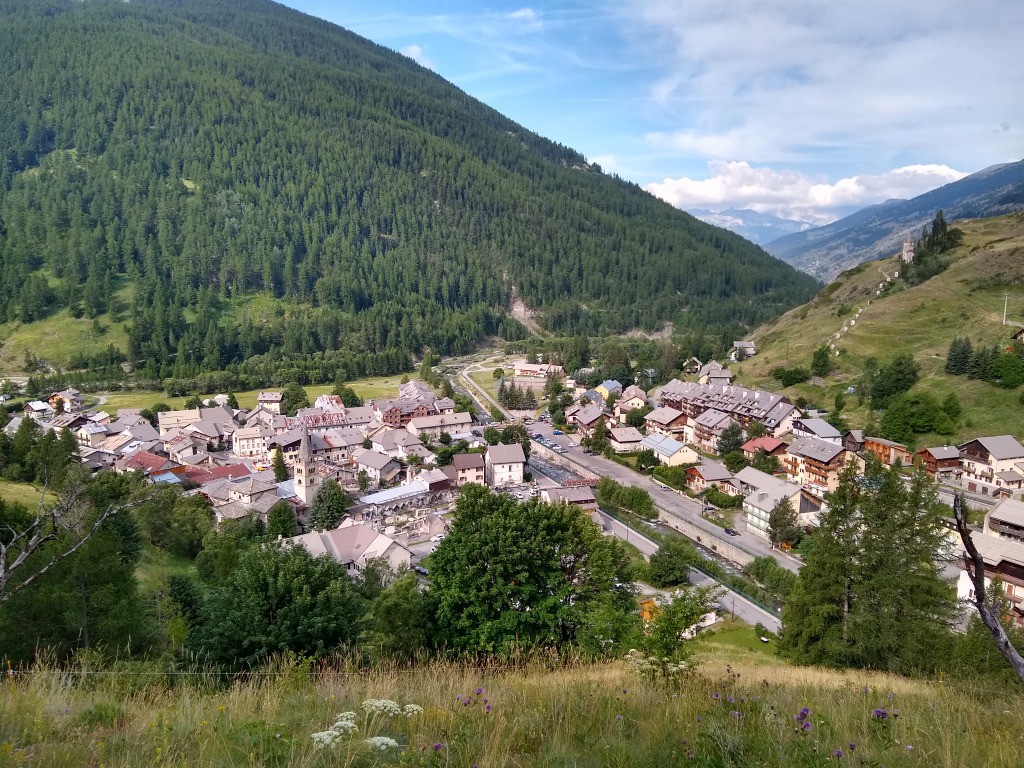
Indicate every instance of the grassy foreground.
{"type": "Point", "coordinates": [737, 709]}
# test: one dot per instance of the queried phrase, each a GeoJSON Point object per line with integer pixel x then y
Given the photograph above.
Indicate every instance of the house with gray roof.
{"type": "Point", "coordinates": [504, 465]}
{"type": "Point", "coordinates": [993, 466]}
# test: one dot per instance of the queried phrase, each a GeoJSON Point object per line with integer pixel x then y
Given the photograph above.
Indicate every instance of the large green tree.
{"type": "Point", "coordinates": [277, 600]}
{"type": "Point", "coordinates": [330, 505]}
{"type": "Point", "coordinates": [871, 593]}
{"type": "Point", "coordinates": [731, 440]}
{"type": "Point", "coordinates": [522, 574]}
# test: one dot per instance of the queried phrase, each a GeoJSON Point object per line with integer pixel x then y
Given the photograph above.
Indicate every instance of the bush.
{"type": "Point", "coordinates": [787, 377]}
{"type": "Point", "coordinates": [723, 500]}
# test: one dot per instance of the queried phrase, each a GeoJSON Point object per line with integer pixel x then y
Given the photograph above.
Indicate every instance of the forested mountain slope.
{"type": "Point", "coordinates": [160, 160]}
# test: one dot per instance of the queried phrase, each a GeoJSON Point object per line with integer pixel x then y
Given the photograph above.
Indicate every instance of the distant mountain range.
{"type": "Point", "coordinates": [757, 227]}
{"type": "Point", "coordinates": [879, 230]}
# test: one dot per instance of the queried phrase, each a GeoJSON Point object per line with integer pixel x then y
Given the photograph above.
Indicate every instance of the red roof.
{"type": "Point", "coordinates": [766, 444]}
{"type": "Point", "coordinates": [148, 462]}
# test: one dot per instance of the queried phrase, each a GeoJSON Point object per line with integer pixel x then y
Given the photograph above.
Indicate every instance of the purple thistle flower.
{"type": "Point", "coordinates": [853, 746]}
{"type": "Point", "coordinates": [807, 727]}
{"type": "Point", "coordinates": [716, 696]}
{"type": "Point", "coordinates": [618, 717]}
{"type": "Point", "coordinates": [438, 746]}
{"type": "Point", "coordinates": [698, 718]}
{"type": "Point", "coordinates": [625, 690]}
{"type": "Point", "coordinates": [880, 714]}
{"type": "Point", "coordinates": [892, 696]}
{"type": "Point", "coordinates": [737, 715]}
{"type": "Point", "coordinates": [458, 699]}
{"type": "Point", "coordinates": [730, 699]}
{"type": "Point", "coordinates": [487, 708]}
{"type": "Point", "coordinates": [479, 691]}
{"type": "Point", "coordinates": [467, 702]}
{"type": "Point", "coordinates": [838, 753]}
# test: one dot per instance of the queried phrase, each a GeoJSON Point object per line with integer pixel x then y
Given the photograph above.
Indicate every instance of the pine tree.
{"type": "Point", "coordinates": [958, 359]}
{"type": "Point", "coordinates": [280, 468]}
{"type": "Point", "coordinates": [815, 618]}
{"type": "Point", "coordinates": [782, 527]}
{"type": "Point", "coordinates": [904, 609]}
{"type": "Point", "coordinates": [330, 506]}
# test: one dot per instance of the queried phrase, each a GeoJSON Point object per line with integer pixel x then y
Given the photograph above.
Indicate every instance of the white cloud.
{"type": "Point", "coordinates": [417, 54]}
{"type": "Point", "coordinates": [771, 81]}
{"type": "Point", "coordinates": [794, 195]}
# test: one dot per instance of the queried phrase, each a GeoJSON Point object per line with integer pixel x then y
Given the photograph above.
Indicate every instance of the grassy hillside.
{"type": "Point", "coordinates": [737, 709]}
{"type": "Point", "coordinates": [965, 300]}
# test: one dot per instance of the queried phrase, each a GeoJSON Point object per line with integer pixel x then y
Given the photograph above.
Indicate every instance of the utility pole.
{"type": "Point", "coordinates": [1006, 298]}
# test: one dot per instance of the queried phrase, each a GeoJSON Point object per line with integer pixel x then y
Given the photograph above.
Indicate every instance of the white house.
{"type": "Point", "coordinates": [504, 465]}
{"type": "Point", "coordinates": [353, 545]}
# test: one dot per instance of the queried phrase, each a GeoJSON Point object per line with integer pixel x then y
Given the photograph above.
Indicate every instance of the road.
{"type": "Point", "coordinates": [730, 602]}
{"type": "Point", "coordinates": [671, 501]}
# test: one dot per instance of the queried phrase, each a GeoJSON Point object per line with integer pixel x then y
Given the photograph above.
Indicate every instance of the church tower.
{"type": "Point", "coordinates": [306, 479]}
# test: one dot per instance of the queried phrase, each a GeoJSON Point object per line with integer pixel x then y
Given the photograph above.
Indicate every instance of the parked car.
{"type": "Point", "coordinates": [732, 531]}
{"type": "Point", "coordinates": [438, 537]}
{"type": "Point", "coordinates": [557, 432]}
{"type": "Point", "coordinates": [421, 570]}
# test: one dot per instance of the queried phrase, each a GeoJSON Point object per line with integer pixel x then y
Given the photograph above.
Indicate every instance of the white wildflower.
{"type": "Point", "coordinates": [383, 743]}
{"type": "Point", "coordinates": [347, 716]}
{"type": "Point", "coordinates": [344, 728]}
{"type": "Point", "coordinates": [384, 707]}
{"type": "Point", "coordinates": [325, 738]}
{"type": "Point", "coordinates": [412, 709]}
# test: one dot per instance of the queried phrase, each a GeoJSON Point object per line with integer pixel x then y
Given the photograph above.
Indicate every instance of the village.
{"type": "Point", "coordinates": [385, 455]}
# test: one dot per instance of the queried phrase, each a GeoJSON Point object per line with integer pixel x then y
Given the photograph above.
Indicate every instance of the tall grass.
{"type": "Point", "coordinates": [736, 709]}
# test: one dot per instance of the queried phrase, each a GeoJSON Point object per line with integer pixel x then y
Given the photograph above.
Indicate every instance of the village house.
{"type": "Point", "coordinates": [814, 464]}
{"type": "Point", "coordinates": [1006, 520]}
{"type": "Point", "coordinates": [393, 442]}
{"type": "Point", "coordinates": [90, 435]}
{"type": "Point", "coordinates": [432, 426]}
{"type": "Point", "coordinates": [819, 429]}
{"type": "Point", "coordinates": [625, 439]}
{"type": "Point", "coordinates": [378, 467]}
{"type": "Point", "coordinates": [504, 465]}
{"type": "Point", "coordinates": [37, 410]}
{"type": "Point", "coordinates": [708, 427]}
{"type": "Point", "coordinates": [587, 418]}
{"type": "Point", "coordinates": [992, 465]}
{"type": "Point", "coordinates": [666, 421]}
{"type": "Point", "coordinates": [853, 440]}
{"type": "Point", "coordinates": [354, 545]}
{"type": "Point", "coordinates": [887, 451]}
{"type": "Point", "coordinates": [581, 496]}
{"type": "Point", "coordinates": [741, 350]}
{"type": "Point", "coordinates": [317, 421]}
{"type": "Point", "coordinates": [398, 413]}
{"type": "Point", "coordinates": [67, 420]}
{"type": "Point", "coordinates": [1001, 546]}
{"type": "Point", "coordinates": [941, 463]}
{"type": "Point", "coordinates": [270, 401]}
{"type": "Point", "coordinates": [711, 474]}
{"type": "Point", "coordinates": [745, 406]}
{"type": "Point", "coordinates": [469, 468]}
{"type": "Point", "coordinates": [524, 370]}
{"type": "Point", "coordinates": [761, 494]}
{"type": "Point", "coordinates": [146, 463]}
{"type": "Point", "coordinates": [70, 398]}
{"type": "Point", "coordinates": [169, 420]}
{"type": "Point", "coordinates": [632, 397]}
{"type": "Point", "coordinates": [608, 387]}
{"type": "Point", "coordinates": [669, 451]}
{"type": "Point", "coordinates": [251, 442]}
{"type": "Point", "coordinates": [770, 445]}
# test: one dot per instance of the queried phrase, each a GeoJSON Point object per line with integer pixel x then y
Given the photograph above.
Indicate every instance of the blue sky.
{"type": "Point", "coordinates": [801, 108]}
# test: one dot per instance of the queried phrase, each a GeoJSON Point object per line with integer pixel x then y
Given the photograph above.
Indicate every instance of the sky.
{"type": "Point", "coordinates": [805, 109]}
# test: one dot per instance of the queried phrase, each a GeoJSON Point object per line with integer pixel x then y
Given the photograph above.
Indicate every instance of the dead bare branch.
{"type": "Point", "coordinates": [974, 563]}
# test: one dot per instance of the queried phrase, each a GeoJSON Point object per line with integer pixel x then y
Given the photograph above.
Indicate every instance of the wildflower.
{"type": "Point", "coordinates": [325, 738]}
{"type": "Point", "coordinates": [838, 753]}
{"type": "Point", "coordinates": [344, 728]}
{"type": "Point", "coordinates": [438, 746]}
{"type": "Point", "coordinates": [381, 707]}
{"type": "Point", "coordinates": [467, 701]}
{"type": "Point", "coordinates": [892, 696]}
{"type": "Point", "coordinates": [807, 727]}
{"type": "Point", "coordinates": [909, 747]}
{"type": "Point", "coordinates": [383, 743]}
{"type": "Point", "coordinates": [412, 709]}
{"type": "Point", "coordinates": [349, 717]}
{"type": "Point", "coordinates": [277, 735]}
{"type": "Point", "coordinates": [698, 718]}
{"type": "Point", "coordinates": [737, 715]}
{"type": "Point", "coordinates": [880, 714]}
{"type": "Point", "coordinates": [487, 708]}
{"type": "Point", "coordinates": [479, 691]}
{"type": "Point", "coordinates": [730, 699]}
{"type": "Point", "coordinates": [716, 696]}
{"type": "Point", "coordinates": [618, 717]}
{"type": "Point", "coordinates": [458, 699]}
{"type": "Point", "coordinates": [625, 690]}
{"type": "Point", "coordinates": [853, 746]}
